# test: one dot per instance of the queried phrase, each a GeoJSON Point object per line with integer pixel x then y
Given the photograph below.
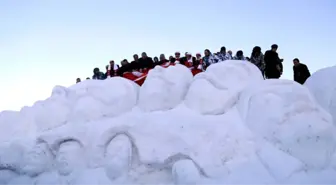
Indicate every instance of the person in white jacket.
{"type": "Point", "coordinates": [223, 55]}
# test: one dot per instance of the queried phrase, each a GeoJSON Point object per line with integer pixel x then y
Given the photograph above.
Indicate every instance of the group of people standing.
{"type": "Point", "coordinates": [270, 64]}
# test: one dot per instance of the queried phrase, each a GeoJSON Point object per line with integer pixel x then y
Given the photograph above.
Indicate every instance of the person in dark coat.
{"type": "Point", "coordinates": [146, 62]}
{"type": "Point", "coordinates": [163, 60]}
{"type": "Point", "coordinates": [301, 71]}
{"type": "Point", "coordinates": [97, 75]}
{"type": "Point", "coordinates": [78, 80]}
{"type": "Point", "coordinates": [183, 60]}
{"type": "Point", "coordinates": [125, 67]}
{"type": "Point", "coordinates": [273, 68]}
{"type": "Point", "coordinates": [135, 64]}
{"type": "Point", "coordinates": [172, 60]}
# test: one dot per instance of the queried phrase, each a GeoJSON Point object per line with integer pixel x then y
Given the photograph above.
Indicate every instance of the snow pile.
{"type": "Point", "coordinates": [322, 86]}
{"type": "Point", "coordinates": [224, 126]}
{"type": "Point", "coordinates": [220, 86]}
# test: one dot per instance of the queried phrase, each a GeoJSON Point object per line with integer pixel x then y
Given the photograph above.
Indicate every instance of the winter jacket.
{"type": "Point", "coordinates": [208, 60]}
{"type": "Point", "coordinates": [126, 68]}
{"type": "Point", "coordinates": [301, 73]}
{"type": "Point", "coordinates": [161, 62]}
{"type": "Point", "coordinates": [112, 72]}
{"type": "Point", "coordinates": [189, 62]}
{"type": "Point", "coordinates": [98, 76]}
{"type": "Point", "coordinates": [239, 57]}
{"type": "Point", "coordinates": [258, 61]}
{"type": "Point", "coordinates": [224, 56]}
{"type": "Point", "coordinates": [272, 61]}
{"type": "Point", "coordinates": [146, 63]}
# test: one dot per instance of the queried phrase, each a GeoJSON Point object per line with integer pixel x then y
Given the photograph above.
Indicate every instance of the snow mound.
{"type": "Point", "coordinates": [115, 132]}
{"type": "Point", "coordinates": [322, 85]}
{"type": "Point", "coordinates": [170, 85]}
{"type": "Point", "coordinates": [216, 90]}
{"type": "Point", "coordinates": [287, 115]}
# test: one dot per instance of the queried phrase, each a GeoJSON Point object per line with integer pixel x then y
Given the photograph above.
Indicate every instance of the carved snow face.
{"type": "Point", "coordinates": [286, 114]}
{"type": "Point", "coordinates": [69, 157]}
{"type": "Point", "coordinates": [38, 160]}
{"type": "Point", "coordinates": [164, 88]}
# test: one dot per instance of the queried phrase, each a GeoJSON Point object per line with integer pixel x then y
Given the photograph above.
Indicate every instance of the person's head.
{"type": "Point", "coordinates": [87, 78]}
{"type": "Point", "coordinates": [112, 63]}
{"type": "Point", "coordinates": [296, 61]}
{"type": "Point", "coordinates": [223, 50]}
{"type": "Point", "coordinates": [96, 70]}
{"type": "Point", "coordinates": [198, 55]}
{"type": "Point", "coordinates": [163, 57]}
{"type": "Point", "coordinates": [207, 52]}
{"type": "Point", "coordinates": [274, 47]}
{"type": "Point", "coordinates": [172, 59]}
{"type": "Point", "coordinates": [106, 67]}
{"type": "Point", "coordinates": [239, 53]}
{"type": "Point", "coordinates": [256, 51]}
{"type": "Point", "coordinates": [124, 62]}
{"type": "Point", "coordinates": [156, 59]}
{"type": "Point", "coordinates": [177, 55]}
{"type": "Point", "coordinates": [135, 57]}
{"type": "Point", "coordinates": [144, 55]}
{"type": "Point", "coordinates": [78, 80]}
{"type": "Point", "coordinates": [188, 55]}
{"type": "Point", "coordinates": [230, 52]}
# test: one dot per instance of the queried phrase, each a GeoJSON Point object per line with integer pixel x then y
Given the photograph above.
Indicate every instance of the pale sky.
{"type": "Point", "coordinates": [47, 43]}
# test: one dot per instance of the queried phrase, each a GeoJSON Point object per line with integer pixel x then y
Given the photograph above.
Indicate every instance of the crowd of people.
{"type": "Point", "coordinates": [269, 64]}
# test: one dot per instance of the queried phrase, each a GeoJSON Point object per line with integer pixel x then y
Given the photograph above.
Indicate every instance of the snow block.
{"type": "Point", "coordinates": [216, 90]}
{"type": "Point", "coordinates": [287, 115]}
{"type": "Point", "coordinates": [322, 85]}
{"type": "Point", "coordinates": [164, 88]}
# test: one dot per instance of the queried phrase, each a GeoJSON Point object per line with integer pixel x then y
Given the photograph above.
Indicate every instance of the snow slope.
{"type": "Point", "coordinates": [226, 125]}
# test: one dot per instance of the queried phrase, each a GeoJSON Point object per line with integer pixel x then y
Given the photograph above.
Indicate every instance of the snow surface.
{"type": "Point", "coordinates": [224, 126]}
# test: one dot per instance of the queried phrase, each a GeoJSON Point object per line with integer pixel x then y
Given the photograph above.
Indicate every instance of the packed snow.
{"type": "Point", "coordinates": [224, 126]}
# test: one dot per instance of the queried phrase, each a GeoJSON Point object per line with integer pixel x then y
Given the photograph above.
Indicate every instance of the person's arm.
{"type": "Point", "coordinates": [307, 71]}
{"type": "Point", "coordinates": [262, 60]}
{"type": "Point", "coordinates": [294, 74]}
{"type": "Point", "coordinates": [266, 57]}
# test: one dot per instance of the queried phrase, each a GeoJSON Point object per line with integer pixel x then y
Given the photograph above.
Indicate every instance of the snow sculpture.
{"type": "Point", "coordinates": [38, 160]}
{"type": "Point", "coordinates": [275, 110]}
{"type": "Point", "coordinates": [171, 85]}
{"type": "Point", "coordinates": [93, 99]}
{"type": "Point", "coordinates": [11, 157]}
{"type": "Point", "coordinates": [46, 121]}
{"type": "Point", "coordinates": [216, 90]}
{"type": "Point", "coordinates": [322, 85]}
{"type": "Point", "coordinates": [17, 125]}
{"type": "Point", "coordinates": [276, 129]}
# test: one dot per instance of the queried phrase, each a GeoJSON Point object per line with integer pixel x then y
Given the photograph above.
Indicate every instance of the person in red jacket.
{"type": "Point", "coordinates": [189, 60]}
{"type": "Point", "coordinates": [111, 70]}
{"type": "Point", "coordinates": [197, 64]}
